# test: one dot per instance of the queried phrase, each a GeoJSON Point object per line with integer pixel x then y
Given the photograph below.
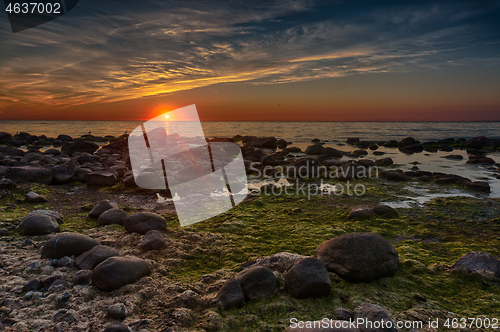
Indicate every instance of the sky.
{"type": "Point", "coordinates": [282, 60]}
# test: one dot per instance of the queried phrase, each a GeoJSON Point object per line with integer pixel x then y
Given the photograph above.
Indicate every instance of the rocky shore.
{"type": "Point", "coordinates": [84, 249]}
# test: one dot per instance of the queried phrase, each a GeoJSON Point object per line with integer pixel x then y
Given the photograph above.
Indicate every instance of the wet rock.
{"type": "Point", "coordinates": [67, 244]}
{"type": "Point", "coordinates": [480, 160]}
{"type": "Point", "coordinates": [144, 222]}
{"type": "Point", "coordinates": [118, 328]}
{"type": "Point", "coordinates": [112, 216]}
{"type": "Point", "coordinates": [257, 282]}
{"type": "Point", "coordinates": [373, 313]}
{"type": "Point", "coordinates": [101, 179]}
{"type": "Point", "coordinates": [32, 285]}
{"type": "Point", "coordinates": [414, 148]}
{"type": "Point", "coordinates": [264, 142]}
{"type": "Point", "coordinates": [5, 137]}
{"type": "Point", "coordinates": [361, 213]}
{"type": "Point", "coordinates": [65, 261]}
{"type": "Point", "coordinates": [82, 277]}
{"type": "Point", "coordinates": [454, 157]}
{"type": "Point", "coordinates": [478, 186]}
{"type": "Point", "coordinates": [80, 146]}
{"type": "Point", "coordinates": [385, 211]}
{"type": "Point", "coordinates": [230, 295]}
{"type": "Point", "coordinates": [37, 224]}
{"type": "Point", "coordinates": [308, 278]}
{"type": "Point", "coordinates": [292, 149]}
{"type": "Point", "coordinates": [480, 263]}
{"type": "Point", "coordinates": [23, 174]}
{"type": "Point", "coordinates": [90, 259]}
{"type": "Point", "coordinates": [116, 272]}
{"type": "Point", "coordinates": [118, 311]}
{"type": "Point", "coordinates": [331, 152]}
{"type": "Point", "coordinates": [100, 207]}
{"type": "Point", "coordinates": [352, 140]}
{"type": "Point", "coordinates": [64, 137]}
{"type": "Point", "coordinates": [394, 176]}
{"type": "Point", "coordinates": [33, 197]}
{"type": "Point", "coordinates": [314, 149]}
{"type": "Point", "coordinates": [281, 261]}
{"type": "Point", "coordinates": [359, 257]}
{"type": "Point", "coordinates": [53, 152]}
{"type": "Point", "coordinates": [384, 162]}
{"type": "Point", "coordinates": [359, 153]}
{"type": "Point", "coordinates": [153, 240]}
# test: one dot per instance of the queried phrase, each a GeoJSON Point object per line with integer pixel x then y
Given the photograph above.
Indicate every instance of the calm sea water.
{"type": "Point", "coordinates": [297, 132]}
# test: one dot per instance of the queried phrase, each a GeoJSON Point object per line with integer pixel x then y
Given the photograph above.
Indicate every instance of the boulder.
{"type": "Point", "coordinates": [361, 213]}
{"type": "Point", "coordinates": [23, 174]}
{"type": "Point", "coordinates": [480, 263]}
{"type": "Point", "coordinates": [90, 259]}
{"type": "Point", "coordinates": [281, 261]}
{"type": "Point", "coordinates": [144, 222]}
{"type": "Point", "coordinates": [359, 257]}
{"type": "Point", "coordinates": [257, 282]}
{"type": "Point", "coordinates": [230, 295]}
{"type": "Point", "coordinates": [80, 146]}
{"type": "Point", "coordinates": [385, 211]}
{"type": "Point", "coordinates": [384, 162]}
{"type": "Point", "coordinates": [116, 272]}
{"type": "Point", "coordinates": [5, 137]}
{"type": "Point", "coordinates": [371, 313]}
{"type": "Point", "coordinates": [38, 224]}
{"type": "Point", "coordinates": [308, 278]}
{"type": "Point", "coordinates": [118, 311]}
{"type": "Point", "coordinates": [100, 207]}
{"type": "Point", "coordinates": [153, 240]}
{"type": "Point", "coordinates": [82, 277]}
{"type": "Point", "coordinates": [314, 149]}
{"type": "Point", "coordinates": [112, 216]}
{"type": "Point", "coordinates": [264, 142]}
{"type": "Point", "coordinates": [101, 179]}
{"type": "Point", "coordinates": [67, 244]}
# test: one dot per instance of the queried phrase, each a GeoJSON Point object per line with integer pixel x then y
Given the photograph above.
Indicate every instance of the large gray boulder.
{"type": "Point", "coordinates": [67, 244]}
{"type": "Point", "coordinates": [116, 272]}
{"type": "Point", "coordinates": [144, 222]}
{"type": "Point", "coordinates": [112, 216]}
{"type": "Point", "coordinates": [359, 257]}
{"type": "Point", "coordinates": [230, 295]}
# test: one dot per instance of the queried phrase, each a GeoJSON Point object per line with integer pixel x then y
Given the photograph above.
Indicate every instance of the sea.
{"type": "Point", "coordinates": [299, 133]}
{"type": "Point", "coordinates": [332, 134]}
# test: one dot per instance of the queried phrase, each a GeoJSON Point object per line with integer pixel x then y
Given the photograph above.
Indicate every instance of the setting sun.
{"type": "Point", "coordinates": [166, 116]}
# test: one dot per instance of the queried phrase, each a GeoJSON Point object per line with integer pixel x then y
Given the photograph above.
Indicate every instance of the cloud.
{"type": "Point", "coordinates": [125, 51]}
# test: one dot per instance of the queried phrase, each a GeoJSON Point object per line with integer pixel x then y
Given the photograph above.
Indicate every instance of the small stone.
{"type": "Point", "coordinates": [343, 314]}
{"type": "Point", "coordinates": [65, 297]}
{"type": "Point", "coordinates": [82, 277]}
{"type": "Point", "coordinates": [373, 313]}
{"type": "Point", "coordinates": [90, 259]}
{"type": "Point", "coordinates": [257, 282]}
{"type": "Point", "coordinates": [112, 216]}
{"type": "Point", "coordinates": [143, 222]}
{"type": "Point", "coordinates": [32, 285]}
{"type": "Point", "coordinates": [118, 311]}
{"type": "Point", "coordinates": [153, 240]}
{"type": "Point", "coordinates": [230, 295]}
{"type": "Point", "coordinates": [65, 261]}
{"type": "Point", "coordinates": [100, 207]}
{"type": "Point", "coordinates": [58, 285]}
{"type": "Point", "coordinates": [361, 213]}
{"type": "Point", "coordinates": [47, 281]}
{"type": "Point", "coordinates": [385, 211]}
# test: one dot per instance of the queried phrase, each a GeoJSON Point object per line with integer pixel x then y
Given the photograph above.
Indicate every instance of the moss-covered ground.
{"type": "Point", "coordinates": [429, 240]}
